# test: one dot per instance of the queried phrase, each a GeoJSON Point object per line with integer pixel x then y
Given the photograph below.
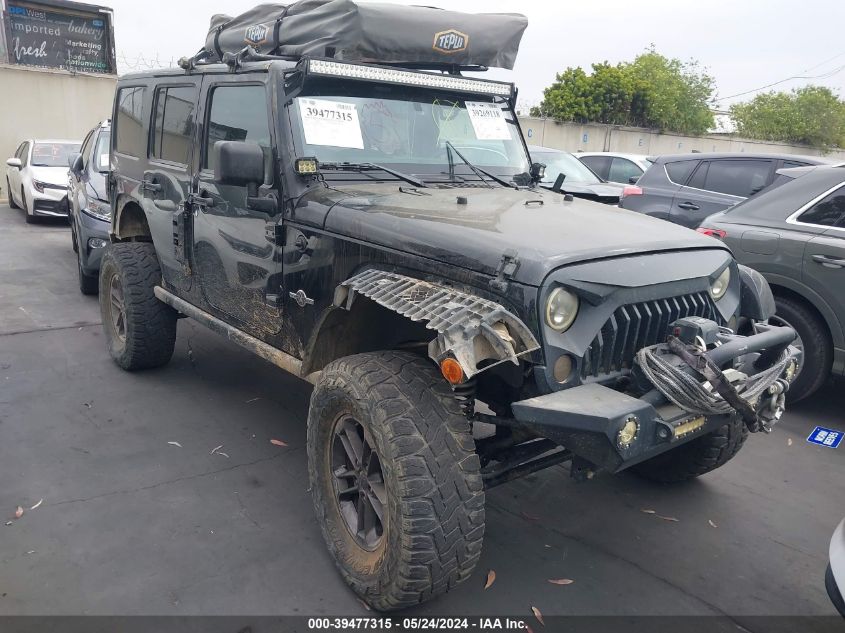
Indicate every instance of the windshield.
{"type": "Point", "coordinates": [407, 129]}
{"type": "Point", "coordinates": [101, 151]}
{"type": "Point", "coordinates": [562, 163]}
{"type": "Point", "coordinates": [53, 154]}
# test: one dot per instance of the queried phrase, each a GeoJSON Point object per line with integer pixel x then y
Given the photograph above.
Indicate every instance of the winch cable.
{"type": "Point", "coordinates": [684, 391]}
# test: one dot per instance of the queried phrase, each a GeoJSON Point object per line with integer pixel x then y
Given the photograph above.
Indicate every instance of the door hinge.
{"type": "Point", "coordinates": [275, 234]}
{"type": "Point", "coordinates": [508, 266]}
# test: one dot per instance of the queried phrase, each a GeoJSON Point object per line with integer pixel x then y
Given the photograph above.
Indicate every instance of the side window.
{"type": "Point", "coordinates": [25, 153]}
{"type": "Point", "coordinates": [599, 164]}
{"type": "Point", "coordinates": [699, 178]}
{"type": "Point", "coordinates": [19, 153]}
{"type": "Point", "coordinates": [829, 211]}
{"type": "Point", "coordinates": [173, 124]}
{"type": "Point", "coordinates": [738, 177]}
{"type": "Point", "coordinates": [622, 170]}
{"type": "Point", "coordinates": [237, 113]}
{"type": "Point", "coordinates": [679, 171]}
{"type": "Point", "coordinates": [86, 150]}
{"type": "Point", "coordinates": [130, 128]}
{"type": "Point", "coordinates": [793, 163]}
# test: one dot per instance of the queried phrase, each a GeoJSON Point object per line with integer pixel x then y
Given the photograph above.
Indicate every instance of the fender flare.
{"type": "Point", "coordinates": [469, 328]}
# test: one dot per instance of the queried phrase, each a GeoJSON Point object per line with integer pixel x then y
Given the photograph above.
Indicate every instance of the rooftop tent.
{"type": "Point", "coordinates": [371, 32]}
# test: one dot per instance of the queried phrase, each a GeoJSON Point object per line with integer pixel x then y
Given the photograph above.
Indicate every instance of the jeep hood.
{"type": "Point", "coordinates": [474, 227]}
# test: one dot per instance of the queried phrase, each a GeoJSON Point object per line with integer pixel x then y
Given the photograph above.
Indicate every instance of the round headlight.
{"type": "Point", "coordinates": [561, 309]}
{"type": "Point", "coordinates": [720, 286]}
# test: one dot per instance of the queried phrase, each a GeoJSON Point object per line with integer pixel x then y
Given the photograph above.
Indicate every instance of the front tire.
{"type": "Point", "coordinates": [30, 218]}
{"type": "Point", "coordinates": [140, 330]}
{"type": "Point", "coordinates": [697, 457]}
{"type": "Point", "coordinates": [12, 203]}
{"type": "Point", "coordinates": [815, 343]}
{"type": "Point", "coordinates": [412, 459]}
{"type": "Point", "coordinates": [88, 284]}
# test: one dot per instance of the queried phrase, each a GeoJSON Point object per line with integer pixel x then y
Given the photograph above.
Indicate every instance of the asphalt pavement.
{"type": "Point", "coordinates": [140, 515]}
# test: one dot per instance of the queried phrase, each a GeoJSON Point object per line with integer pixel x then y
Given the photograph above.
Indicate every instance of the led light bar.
{"type": "Point", "coordinates": [408, 77]}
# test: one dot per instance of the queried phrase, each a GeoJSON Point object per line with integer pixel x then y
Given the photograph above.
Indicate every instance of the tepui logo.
{"type": "Point", "coordinates": [256, 34]}
{"type": "Point", "coordinates": [451, 41]}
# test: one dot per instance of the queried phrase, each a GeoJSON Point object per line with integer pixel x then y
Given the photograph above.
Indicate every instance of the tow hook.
{"type": "Point", "coordinates": [773, 411]}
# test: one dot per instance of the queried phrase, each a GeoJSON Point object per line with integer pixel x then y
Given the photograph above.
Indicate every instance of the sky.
{"type": "Point", "coordinates": [744, 44]}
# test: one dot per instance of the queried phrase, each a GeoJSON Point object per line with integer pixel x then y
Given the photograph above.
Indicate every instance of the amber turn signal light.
{"type": "Point", "coordinates": [451, 370]}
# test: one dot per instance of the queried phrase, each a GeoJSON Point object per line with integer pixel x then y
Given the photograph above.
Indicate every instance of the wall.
{"type": "Point", "coordinates": [37, 103]}
{"type": "Point", "coordinates": [605, 138]}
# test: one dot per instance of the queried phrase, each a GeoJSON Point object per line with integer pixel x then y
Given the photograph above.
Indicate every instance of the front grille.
{"type": "Point", "coordinates": [638, 325]}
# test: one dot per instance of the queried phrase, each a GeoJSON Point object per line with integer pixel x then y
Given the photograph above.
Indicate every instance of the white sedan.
{"type": "Point", "coordinates": [615, 167]}
{"type": "Point", "coordinates": [36, 177]}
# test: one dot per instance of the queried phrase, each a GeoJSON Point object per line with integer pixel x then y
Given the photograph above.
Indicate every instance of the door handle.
{"type": "Point", "coordinates": [829, 262]}
{"type": "Point", "coordinates": [149, 185]}
{"type": "Point", "coordinates": [689, 206]}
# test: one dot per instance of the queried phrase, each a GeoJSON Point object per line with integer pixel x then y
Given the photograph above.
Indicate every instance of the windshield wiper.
{"type": "Point", "coordinates": [478, 171]}
{"type": "Point", "coordinates": [360, 167]}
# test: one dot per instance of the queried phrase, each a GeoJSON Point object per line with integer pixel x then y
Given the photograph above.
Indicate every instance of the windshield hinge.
{"type": "Point", "coordinates": [507, 269]}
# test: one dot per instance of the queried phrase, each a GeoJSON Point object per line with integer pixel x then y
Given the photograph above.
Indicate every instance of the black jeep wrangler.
{"type": "Point", "coordinates": [378, 231]}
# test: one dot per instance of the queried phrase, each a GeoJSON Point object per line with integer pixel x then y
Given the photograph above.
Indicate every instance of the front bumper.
{"type": "Point", "coordinates": [52, 202]}
{"type": "Point", "coordinates": [88, 229]}
{"type": "Point", "coordinates": [595, 422]}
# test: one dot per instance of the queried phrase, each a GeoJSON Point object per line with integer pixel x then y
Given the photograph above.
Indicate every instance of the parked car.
{"type": "Point", "coordinates": [89, 211]}
{"type": "Point", "coordinates": [625, 169]}
{"type": "Point", "coordinates": [686, 188]}
{"type": "Point", "coordinates": [794, 233]}
{"type": "Point", "coordinates": [263, 199]}
{"type": "Point", "coordinates": [578, 179]}
{"type": "Point", "coordinates": [834, 578]}
{"type": "Point", "coordinates": [36, 177]}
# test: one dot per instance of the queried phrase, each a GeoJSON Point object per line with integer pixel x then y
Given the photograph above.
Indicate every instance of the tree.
{"type": "Point", "coordinates": [652, 91]}
{"type": "Point", "coordinates": [812, 115]}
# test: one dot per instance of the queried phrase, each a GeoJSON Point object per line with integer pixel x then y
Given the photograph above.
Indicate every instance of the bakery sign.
{"type": "Point", "coordinates": [57, 36]}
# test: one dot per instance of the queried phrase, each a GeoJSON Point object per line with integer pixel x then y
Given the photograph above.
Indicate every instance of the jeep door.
{"type": "Point", "coordinates": [234, 246]}
{"type": "Point", "coordinates": [166, 180]}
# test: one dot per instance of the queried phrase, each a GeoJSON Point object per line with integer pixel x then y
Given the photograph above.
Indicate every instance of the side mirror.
{"type": "Point", "coordinates": [537, 172]}
{"type": "Point", "coordinates": [14, 162]}
{"type": "Point", "coordinates": [633, 180]}
{"type": "Point", "coordinates": [74, 161]}
{"type": "Point", "coordinates": [239, 164]}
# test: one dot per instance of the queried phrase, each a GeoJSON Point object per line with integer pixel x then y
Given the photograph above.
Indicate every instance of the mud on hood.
{"type": "Point", "coordinates": [541, 227]}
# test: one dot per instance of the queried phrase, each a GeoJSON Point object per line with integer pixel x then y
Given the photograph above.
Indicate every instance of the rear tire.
{"type": "Point", "coordinates": [697, 457]}
{"type": "Point", "coordinates": [140, 330]}
{"type": "Point", "coordinates": [815, 339]}
{"type": "Point", "coordinates": [12, 203]}
{"type": "Point", "coordinates": [430, 492]}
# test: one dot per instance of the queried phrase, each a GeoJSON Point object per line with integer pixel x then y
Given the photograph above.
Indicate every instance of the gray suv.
{"type": "Point", "coordinates": [686, 188]}
{"type": "Point", "coordinates": [794, 233]}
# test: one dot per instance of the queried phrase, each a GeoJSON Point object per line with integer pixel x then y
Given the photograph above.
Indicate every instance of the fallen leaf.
{"type": "Point", "coordinates": [253, 400]}
{"type": "Point", "coordinates": [37, 504]}
{"type": "Point", "coordinates": [673, 519]}
{"type": "Point", "coordinates": [8, 523]}
{"type": "Point", "coordinates": [491, 578]}
{"type": "Point", "coordinates": [214, 450]}
{"type": "Point", "coordinates": [561, 581]}
{"type": "Point", "coordinates": [223, 454]}
{"type": "Point", "coordinates": [789, 442]}
{"type": "Point", "coordinates": [712, 524]}
{"type": "Point", "coordinates": [529, 629]}
{"type": "Point", "coordinates": [175, 444]}
{"type": "Point", "coordinates": [530, 517]}
{"type": "Point", "coordinates": [278, 442]}
{"type": "Point", "coordinates": [647, 511]}
{"type": "Point", "coordinates": [364, 604]}
{"type": "Point", "coordinates": [32, 551]}
{"type": "Point", "coordinates": [538, 615]}
{"type": "Point", "coordinates": [19, 512]}
{"type": "Point", "coordinates": [87, 404]}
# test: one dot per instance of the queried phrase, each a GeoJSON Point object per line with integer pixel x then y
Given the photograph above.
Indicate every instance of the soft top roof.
{"type": "Point", "coordinates": [371, 32]}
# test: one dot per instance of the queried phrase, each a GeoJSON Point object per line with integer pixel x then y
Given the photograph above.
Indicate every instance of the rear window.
{"type": "Point", "coordinates": [829, 211]}
{"type": "Point", "coordinates": [129, 127]}
{"type": "Point", "coordinates": [680, 171]}
{"type": "Point", "coordinates": [741, 178]}
{"type": "Point", "coordinates": [173, 127]}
